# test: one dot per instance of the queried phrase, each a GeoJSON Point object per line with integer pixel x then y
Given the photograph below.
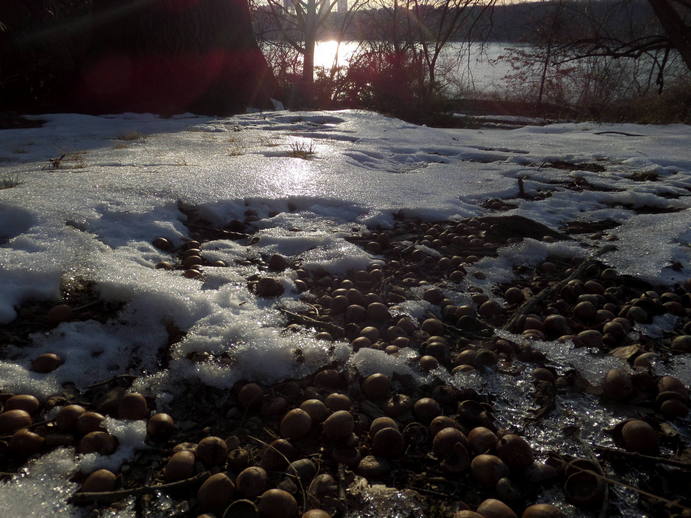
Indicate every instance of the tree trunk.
{"type": "Point", "coordinates": [677, 31]}
{"type": "Point", "coordinates": [308, 58]}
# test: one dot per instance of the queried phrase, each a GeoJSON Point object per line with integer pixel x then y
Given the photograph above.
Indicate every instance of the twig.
{"type": "Point", "coordinates": [529, 305]}
{"type": "Point", "coordinates": [110, 380]}
{"type": "Point", "coordinates": [316, 323]}
{"type": "Point", "coordinates": [83, 497]}
{"type": "Point", "coordinates": [295, 474]}
{"type": "Point", "coordinates": [670, 503]}
{"type": "Point", "coordinates": [640, 456]}
{"type": "Point", "coordinates": [618, 133]}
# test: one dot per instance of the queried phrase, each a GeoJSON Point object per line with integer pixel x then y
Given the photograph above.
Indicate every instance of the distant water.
{"type": "Point", "coordinates": [473, 65]}
{"type": "Point", "coordinates": [477, 68]}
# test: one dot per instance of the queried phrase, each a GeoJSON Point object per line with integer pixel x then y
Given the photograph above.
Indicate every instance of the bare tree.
{"type": "Point", "coordinates": [298, 22]}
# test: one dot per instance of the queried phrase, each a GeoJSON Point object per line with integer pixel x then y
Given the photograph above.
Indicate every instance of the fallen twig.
{"type": "Point", "coordinates": [304, 319]}
{"type": "Point", "coordinates": [640, 456]}
{"type": "Point", "coordinates": [529, 305]}
{"type": "Point", "coordinates": [83, 497]}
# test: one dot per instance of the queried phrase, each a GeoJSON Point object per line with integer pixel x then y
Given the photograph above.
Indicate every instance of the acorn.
{"type": "Point", "coordinates": [338, 401]}
{"type": "Point", "coordinates": [212, 451]}
{"type": "Point", "coordinates": [445, 439]}
{"type": "Point", "coordinates": [493, 508]}
{"type": "Point", "coordinates": [433, 326]}
{"type": "Point", "coordinates": [133, 406]}
{"type": "Point", "coordinates": [672, 384]}
{"type": "Point", "coordinates": [252, 481]}
{"type": "Point", "coordinates": [428, 363]}
{"type": "Point", "coordinates": [277, 455]}
{"type": "Point", "coordinates": [98, 442]}
{"type": "Point", "coordinates": [316, 513]}
{"type": "Point", "coordinates": [238, 459]}
{"type": "Point", "coordinates": [388, 442]}
{"type": "Point", "coordinates": [426, 409]}
{"type": "Point", "coordinates": [339, 425]}
{"type": "Point", "coordinates": [682, 343]}
{"type": "Point", "coordinates": [584, 489]}
{"type": "Point", "coordinates": [269, 287]}
{"type": "Point", "coordinates": [89, 422]}
{"type": "Point", "coordinates": [514, 451]}
{"type": "Point", "coordinates": [397, 405]}
{"type": "Point", "coordinates": [488, 469]}
{"type": "Point", "coordinates": [25, 402]}
{"type": "Point", "coordinates": [304, 469]}
{"type": "Point", "coordinates": [440, 422]}
{"type": "Point", "coordinates": [617, 385]}
{"type": "Point", "coordinates": [163, 243]}
{"type": "Point", "coordinates": [46, 363]}
{"type": "Point", "coordinates": [66, 418]}
{"type": "Point", "coordinates": [59, 313]}
{"type": "Point", "coordinates": [378, 312]}
{"type": "Point", "coordinates": [250, 395]}
{"type": "Point", "coordinates": [373, 468]}
{"type": "Point", "coordinates": [180, 466]}
{"type": "Point", "coordinates": [25, 443]}
{"type": "Point", "coordinates": [276, 503]}
{"type": "Point", "coordinates": [216, 492]}
{"type": "Point", "coordinates": [645, 360]}
{"type": "Point", "coordinates": [99, 481]}
{"type": "Point", "coordinates": [316, 409]}
{"type": "Point", "coordinates": [277, 263]}
{"type": "Point", "coordinates": [13, 420]}
{"type": "Point", "coordinates": [380, 423]}
{"type": "Point", "coordinates": [295, 424]}
{"type": "Point", "coordinates": [323, 486]}
{"type": "Point", "coordinates": [376, 386]}
{"type": "Point", "coordinates": [160, 426]}
{"type": "Point", "coordinates": [639, 436]}
{"type": "Point", "coordinates": [542, 511]}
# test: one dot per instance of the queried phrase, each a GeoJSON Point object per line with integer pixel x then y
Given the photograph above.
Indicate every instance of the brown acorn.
{"type": "Point", "coordinates": [493, 508]}
{"type": "Point", "coordinates": [13, 420]}
{"type": "Point", "coordinates": [250, 395]}
{"type": "Point", "coordinates": [426, 409]}
{"type": "Point", "coordinates": [295, 424]}
{"type": "Point", "coordinates": [639, 436]}
{"type": "Point", "coordinates": [133, 406]}
{"type": "Point", "coordinates": [252, 481]}
{"type": "Point", "coordinates": [180, 466]}
{"type": "Point", "coordinates": [316, 409]}
{"type": "Point", "coordinates": [46, 363]}
{"type": "Point", "coordinates": [376, 386]}
{"type": "Point", "coordinates": [482, 439]}
{"type": "Point", "coordinates": [66, 418]}
{"type": "Point", "coordinates": [388, 442]}
{"type": "Point", "coordinates": [25, 443]}
{"type": "Point", "coordinates": [276, 503]}
{"type": "Point", "coordinates": [339, 425]}
{"type": "Point", "coordinates": [514, 451]}
{"type": "Point", "coordinates": [617, 385]}
{"type": "Point", "coordinates": [160, 426]}
{"type": "Point", "coordinates": [216, 492]}
{"type": "Point", "coordinates": [25, 402]}
{"type": "Point", "coordinates": [99, 481]}
{"type": "Point", "coordinates": [212, 451]}
{"type": "Point", "coordinates": [542, 511]}
{"type": "Point", "coordinates": [98, 442]}
{"type": "Point", "coordinates": [488, 469]}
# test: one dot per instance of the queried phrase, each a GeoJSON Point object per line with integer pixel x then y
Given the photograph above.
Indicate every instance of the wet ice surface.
{"type": "Point", "coordinates": [93, 213]}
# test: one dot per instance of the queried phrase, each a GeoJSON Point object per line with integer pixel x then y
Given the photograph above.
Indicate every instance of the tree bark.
{"type": "Point", "coordinates": [677, 31]}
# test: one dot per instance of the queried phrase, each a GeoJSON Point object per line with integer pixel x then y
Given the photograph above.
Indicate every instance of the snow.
{"type": "Point", "coordinates": [93, 213]}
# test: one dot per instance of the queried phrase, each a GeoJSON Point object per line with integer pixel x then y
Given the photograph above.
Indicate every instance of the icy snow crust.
{"type": "Point", "coordinates": [93, 213]}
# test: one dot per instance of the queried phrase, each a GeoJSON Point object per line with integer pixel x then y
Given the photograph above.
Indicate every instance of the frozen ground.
{"type": "Point", "coordinates": [84, 197]}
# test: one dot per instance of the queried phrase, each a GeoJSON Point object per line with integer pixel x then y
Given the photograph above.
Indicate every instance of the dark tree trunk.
{"type": "Point", "coordinates": [172, 56]}
{"type": "Point", "coordinates": [677, 31]}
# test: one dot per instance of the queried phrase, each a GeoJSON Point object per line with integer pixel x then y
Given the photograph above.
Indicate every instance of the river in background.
{"type": "Point", "coordinates": [474, 68]}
